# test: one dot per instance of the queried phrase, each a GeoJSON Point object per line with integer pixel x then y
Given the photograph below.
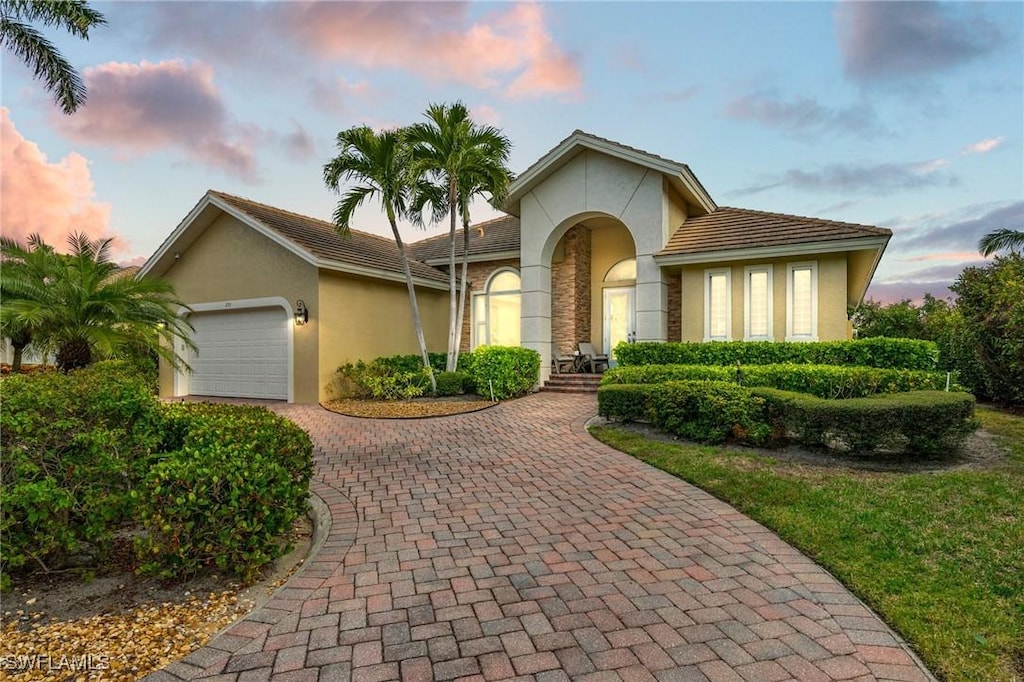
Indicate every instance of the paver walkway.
{"type": "Point", "coordinates": [510, 544]}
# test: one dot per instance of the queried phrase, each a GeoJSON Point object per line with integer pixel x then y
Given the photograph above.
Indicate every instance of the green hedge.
{"type": "Point", "coordinates": [74, 446]}
{"type": "Point", "coordinates": [917, 422]}
{"type": "Point", "coordinates": [399, 377]}
{"type": "Point", "coordinates": [874, 352]}
{"type": "Point", "coordinates": [704, 411]}
{"type": "Point", "coordinates": [225, 498]}
{"type": "Point", "coordinates": [507, 371]}
{"type": "Point", "coordinates": [824, 381]}
{"type": "Point", "coordinates": [82, 452]}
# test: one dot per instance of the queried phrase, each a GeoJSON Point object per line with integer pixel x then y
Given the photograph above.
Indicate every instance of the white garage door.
{"type": "Point", "coordinates": [242, 354]}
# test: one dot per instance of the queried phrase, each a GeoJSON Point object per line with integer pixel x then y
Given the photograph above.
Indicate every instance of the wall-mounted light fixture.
{"type": "Point", "coordinates": [301, 313]}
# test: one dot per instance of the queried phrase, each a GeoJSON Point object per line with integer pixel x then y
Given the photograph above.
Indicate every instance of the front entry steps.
{"type": "Point", "coordinates": [572, 383]}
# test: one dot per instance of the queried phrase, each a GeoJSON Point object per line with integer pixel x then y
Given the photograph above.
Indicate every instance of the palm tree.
{"type": "Point", "coordinates": [378, 163]}
{"type": "Point", "coordinates": [83, 307]}
{"type": "Point", "coordinates": [16, 34]}
{"type": "Point", "coordinates": [997, 240]}
{"type": "Point", "coordinates": [23, 274]}
{"type": "Point", "coordinates": [465, 160]}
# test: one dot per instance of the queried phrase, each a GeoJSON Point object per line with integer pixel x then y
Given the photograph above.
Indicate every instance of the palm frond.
{"type": "Point", "coordinates": [46, 63]}
{"type": "Point", "coordinates": [999, 240]}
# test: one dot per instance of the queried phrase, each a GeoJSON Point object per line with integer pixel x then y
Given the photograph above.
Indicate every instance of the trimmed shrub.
{"type": "Point", "coordinates": [625, 402]}
{"type": "Point", "coordinates": [382, 379]}
{"type": "Point", "coordinates": [508, 371]}
{"type": "Point", "coordinates": [710, 412]}
{"type": "Point", "coordinates": [74, 445]}
{"type": "Point", "coordinates": [824, 381]}
{"type": "Point", "coordinates": [238, 481]}
{"type": "Point", "coordinates": [874, 352]}
{"type": "Point", "coordinates": [704, 411]}
{"type": "Point", "coordinates": [918, 422]}
{"type": "Point", "coordinates": [452, 383]}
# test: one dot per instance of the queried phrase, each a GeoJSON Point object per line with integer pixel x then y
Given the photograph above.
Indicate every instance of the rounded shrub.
{"type": "Point", "coordinates": [505, 371]}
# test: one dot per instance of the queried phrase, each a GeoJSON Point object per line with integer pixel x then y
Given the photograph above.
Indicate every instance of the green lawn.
{"type": "Point", "coordinates": [939, 555]}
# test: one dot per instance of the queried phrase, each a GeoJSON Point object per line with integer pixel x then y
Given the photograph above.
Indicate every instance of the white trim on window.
{"type": "Point", "coordinates": [718, 294]}
{"type": "Point", "coordinates": [481, 329]}
{"type": "Point", "coordinates": [748, 320]}
{"type": "Point", "coordinates": [802, 325]}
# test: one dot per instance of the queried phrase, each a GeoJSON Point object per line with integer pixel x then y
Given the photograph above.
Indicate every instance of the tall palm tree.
{"type": "Point", "coordinates": [24, 40]}
{"type": "Point", "coordinates": [378, 164]}
{"type": "Point", "coordinates": [84, 308]}
{"type": "Point", "coordinates": [997, 240]}
{"type": "Point", "coordinates": [465, 159]}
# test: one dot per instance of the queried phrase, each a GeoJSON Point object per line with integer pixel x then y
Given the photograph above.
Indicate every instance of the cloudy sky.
{"type": "Point", "coordinates": [903, 115]}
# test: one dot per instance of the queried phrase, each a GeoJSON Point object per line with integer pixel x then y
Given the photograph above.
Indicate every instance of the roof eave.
{"type": "Point", "coordinates": [804, 248]}
{"type": "Point", "coordinates": [475, 257]}
{"type": "Point", "coordinates": [363, 271]}
{"type": "Point", "coordinates": [871, 273]}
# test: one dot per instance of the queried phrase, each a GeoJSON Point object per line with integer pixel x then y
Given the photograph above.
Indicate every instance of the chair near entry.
{"type": "Point", "coordinates": [592, 359]}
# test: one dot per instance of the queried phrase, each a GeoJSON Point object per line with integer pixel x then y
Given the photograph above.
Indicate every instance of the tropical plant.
{"type": "Point", "coordinates": [38, 53]}
{"type": "Point", "coordinates": [378, 163]}
{"type": "Point", "coordinates": [999, 240]}
{"type": "Point", "coordinates": [83, 307]}
{"type": "Point", "coordinates": [24, 272]}
{"type": "Point", "coordinates": [465, 160]}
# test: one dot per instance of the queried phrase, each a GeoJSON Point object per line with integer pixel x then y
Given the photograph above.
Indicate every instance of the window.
{"type": "Point", "coordinates": [757, 303]}
{"type": "Point", "coordinates": [717, 305]}
{"type": "Point", "coordinates": [496, 311]}
{"type": "Point", "coordinates": [802, 302]}
{"type": "Point", "coordinates": [623, 271]}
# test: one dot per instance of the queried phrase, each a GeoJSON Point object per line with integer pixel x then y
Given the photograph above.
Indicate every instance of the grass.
{"type": "Point", "coordinates": [939, 555]}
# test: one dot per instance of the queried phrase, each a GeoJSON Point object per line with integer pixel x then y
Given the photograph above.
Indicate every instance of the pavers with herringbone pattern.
{"type": "Point", "coordinates": [508, 544]}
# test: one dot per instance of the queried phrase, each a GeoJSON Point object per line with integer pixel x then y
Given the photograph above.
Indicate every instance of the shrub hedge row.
{"type": "Point", "coordinates": [824, 381]}
{"type": "Point", "coordinates": [88, 453]}
{"type": "Point", "coordinates": [874, 352]}
{"type": "Point", "coordinates": [509, 371]}
{"type": "Point", "coordinates": [917, 422]}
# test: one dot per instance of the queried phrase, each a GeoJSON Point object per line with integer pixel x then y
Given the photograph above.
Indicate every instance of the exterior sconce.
{"type": "Point", "coordinates": [301, 313]}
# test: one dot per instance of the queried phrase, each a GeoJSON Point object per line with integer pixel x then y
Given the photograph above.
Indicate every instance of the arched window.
{"type": "Point", "coordinates": [623, 271]}
{"type": "Point", "coordinates": [496, 311]}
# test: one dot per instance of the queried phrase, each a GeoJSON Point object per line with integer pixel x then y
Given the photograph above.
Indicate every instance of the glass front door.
{"type": "Point", "coordinates": [619, 317]}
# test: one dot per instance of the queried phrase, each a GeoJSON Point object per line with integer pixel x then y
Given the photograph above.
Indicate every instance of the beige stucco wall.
{"type": "Point", "coordinates": [362, 318]}
{"type": "Point", "coordinates": [609, 244]}
{"type": "Point", "coordinates": [832, 296]}
{"type": "Point", "coordinates": [232, 262]}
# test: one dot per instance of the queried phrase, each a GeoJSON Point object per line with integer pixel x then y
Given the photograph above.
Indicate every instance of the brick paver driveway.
{"type": "Point", "coordinates": [509, 544]}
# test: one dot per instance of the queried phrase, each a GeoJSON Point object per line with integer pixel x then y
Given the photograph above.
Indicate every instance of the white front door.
{"type": "Point", "coordinates": [619, 316]}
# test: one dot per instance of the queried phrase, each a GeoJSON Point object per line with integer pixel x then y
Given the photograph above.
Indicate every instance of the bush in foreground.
{"type": "Point", "coordinates": [74, 446]}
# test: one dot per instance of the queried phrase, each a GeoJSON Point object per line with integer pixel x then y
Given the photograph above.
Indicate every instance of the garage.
{"type": "Point", "coordinates": [241, 354]}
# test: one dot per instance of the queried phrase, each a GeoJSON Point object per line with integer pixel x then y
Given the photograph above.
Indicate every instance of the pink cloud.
{"type": "Point", "coordinates": [983, 146]}
{"type": "Point", "coordinates": [147, 107]}
{"type": "Point", "coordinates": [950, 255]}
{"type": "Point", "coordinates": [508, 49]}
{"type": "Point", "coordinates": [486, 114]}
{"type": "Point", "coordinates": [51, 199]}
{"type": "Point", "coordinates": [335, 96]}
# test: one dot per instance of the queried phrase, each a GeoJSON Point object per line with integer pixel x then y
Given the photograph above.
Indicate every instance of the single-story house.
{"type": "Point", "coordinates": [601, 243]}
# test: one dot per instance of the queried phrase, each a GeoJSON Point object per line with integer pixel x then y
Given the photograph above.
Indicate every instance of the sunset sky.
{"type": "Point", "coordinates": [903, 115]}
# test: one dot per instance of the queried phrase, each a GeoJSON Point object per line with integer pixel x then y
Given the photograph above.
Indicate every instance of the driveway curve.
{"type": "Point", "coordinates": [509, 544]}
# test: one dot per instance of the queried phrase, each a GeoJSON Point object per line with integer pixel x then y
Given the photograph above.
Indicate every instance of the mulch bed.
{"type": "Point", "coordinates": [416, 408]}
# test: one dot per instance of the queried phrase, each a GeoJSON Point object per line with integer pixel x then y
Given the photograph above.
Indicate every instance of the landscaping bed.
{"type": "Point", "coordinates": [416, 408]}
{"type": "Point", "coordinates": [933, 545]}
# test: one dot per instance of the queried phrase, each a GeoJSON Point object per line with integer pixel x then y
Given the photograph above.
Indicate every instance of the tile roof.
{"type": "Point", "coordinates": [499, 235]}
{"type": "Point", "coordinates": [737, 228]}
{"type": "Point", "coordinates": [320, 238]}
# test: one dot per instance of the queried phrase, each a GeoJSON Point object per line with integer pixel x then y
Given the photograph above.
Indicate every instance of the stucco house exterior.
{"type": "Point", "coordinates": [601, 243]}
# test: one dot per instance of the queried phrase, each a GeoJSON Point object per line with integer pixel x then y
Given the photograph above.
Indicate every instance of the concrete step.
{"type": "Point", "coordinates": [572, 383]}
